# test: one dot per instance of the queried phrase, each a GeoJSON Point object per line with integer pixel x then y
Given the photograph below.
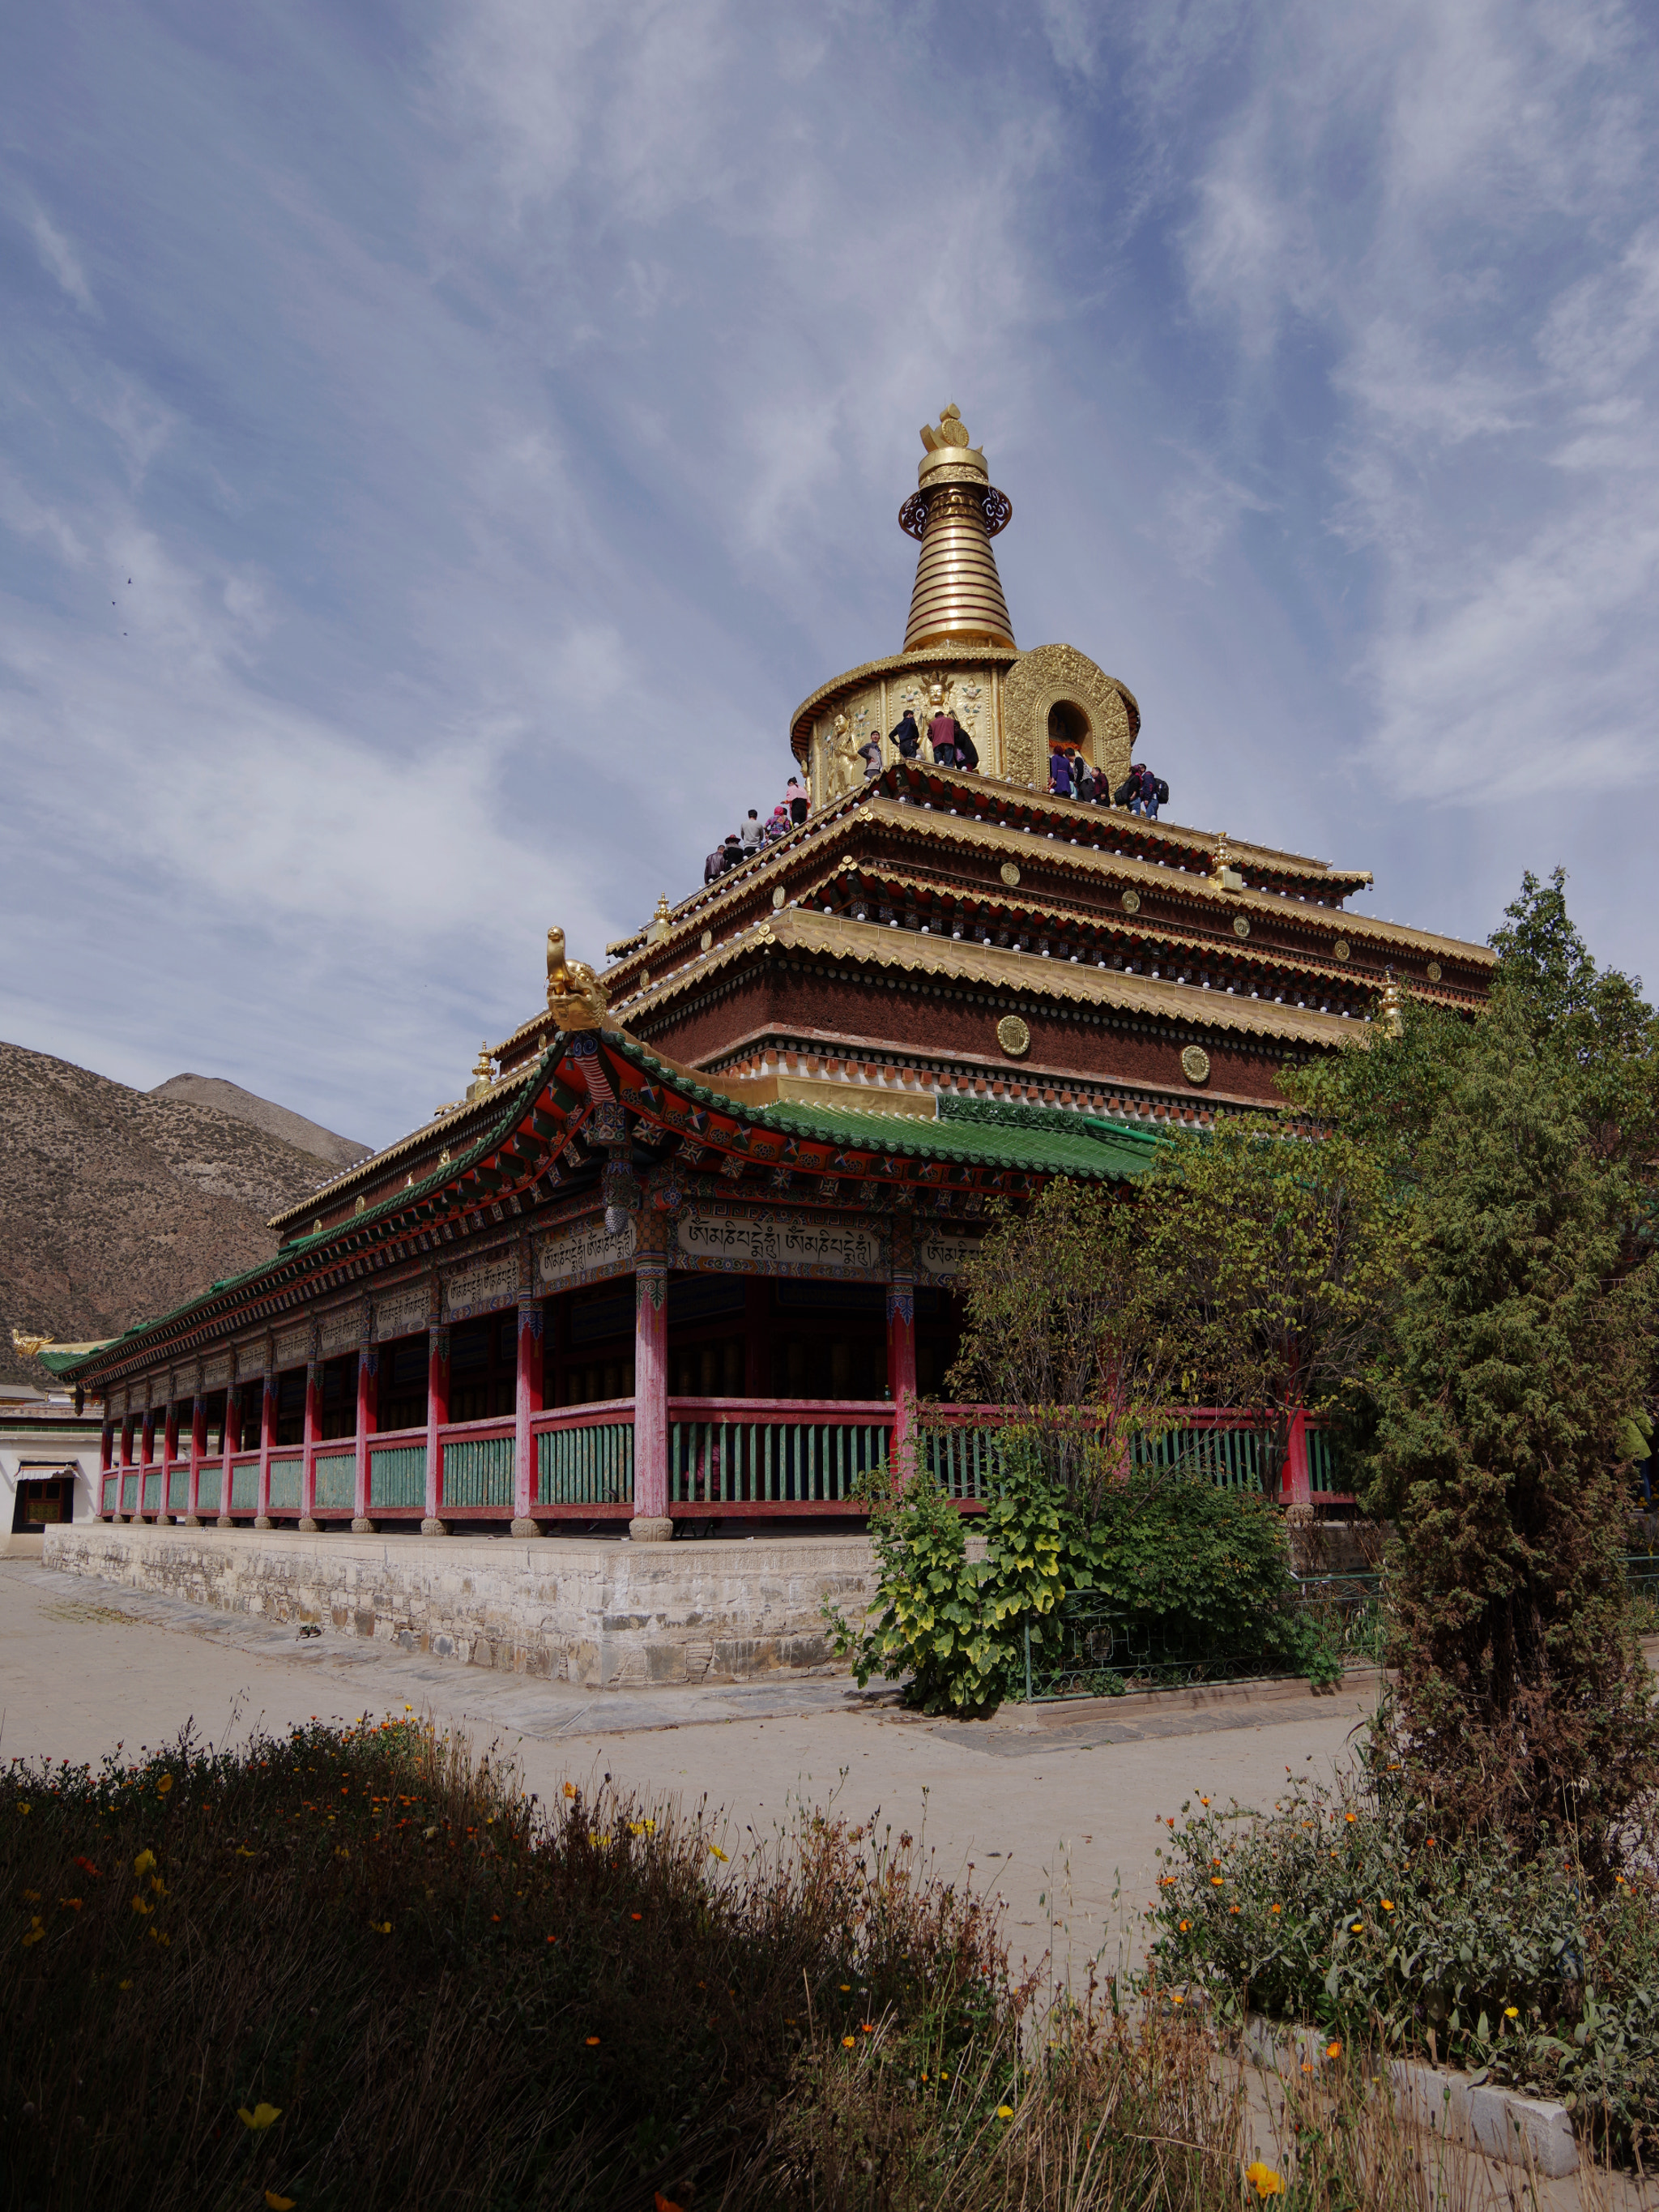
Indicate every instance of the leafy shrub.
{"type": "Point", "coordinates": [1203, 1573]}
{"type": "Point", "coordinates": [1332, 1910]}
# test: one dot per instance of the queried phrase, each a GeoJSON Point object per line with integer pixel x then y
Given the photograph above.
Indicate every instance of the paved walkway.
{"type": "Point", "coordinates": [1054, 1810]}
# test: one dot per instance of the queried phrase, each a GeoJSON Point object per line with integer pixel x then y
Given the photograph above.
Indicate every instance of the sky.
{"type": "Point", "coordinates": [440, 444]}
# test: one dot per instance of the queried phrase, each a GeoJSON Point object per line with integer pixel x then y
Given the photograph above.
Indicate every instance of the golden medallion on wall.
{"type": "Point", "coordinates": [1013, 1036]}
{"type": "Point", "coordinates": [1341, 948]}
{"type": "Point", "coordinates": [1009, 874]}
{"type": "Point", "coordinates": [1132, 901]}
{"type": "Point", "coordinates": [1196, 1064]}
{"type": "Point", "coordinates": [1433, 971]}
{"type": "Point", "coordinates": [707, 939]}
{"type": "Point", "coordinates": [1241, 925]}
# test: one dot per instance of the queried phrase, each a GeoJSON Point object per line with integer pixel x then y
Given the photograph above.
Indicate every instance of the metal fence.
{"type": "Point", "coordinates": [739, 1457]}
{"type": "Point", "coordinates": [1089, 1649]}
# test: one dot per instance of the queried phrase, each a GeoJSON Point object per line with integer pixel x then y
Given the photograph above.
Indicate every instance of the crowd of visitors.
{"type": "Point", "coordinates": [788, 814]}
{"type": "Point", "coordinates": [1071, 776]}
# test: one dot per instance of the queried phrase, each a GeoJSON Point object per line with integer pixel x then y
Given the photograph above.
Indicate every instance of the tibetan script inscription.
{"type": "Point", "coordinates": [771, 1244]}
{"type": "Point", "coordinates": [944, 1255]}
{"type": "Point", "coordinates": [337, 1331]}
{"type": "Point", "coordinates": [293, 1348]}
{"type": "Point", "coordinates": [492, 1284]}
{"type": "Point", "coordinates": [215, 1371]}
{"type": "Point", "coordinates": [586, 1251]}
{"type": "Point", "coordinates": [403, 1313]}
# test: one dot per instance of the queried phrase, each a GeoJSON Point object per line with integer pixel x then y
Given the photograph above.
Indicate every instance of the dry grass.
{"type": "Point", "coordinates": [452, 1997]}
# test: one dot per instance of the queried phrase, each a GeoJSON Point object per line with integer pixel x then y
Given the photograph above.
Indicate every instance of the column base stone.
{"type": "Point", "coordinates": [434, 1528]}
{"type": "Point", "coordinates": [224, 1521]}
{"type": "Point", "coordinates": [526, 1528]}
{"type": "Point", "coordinates": [191, 1521]}
{"type": "Point", "coordinates": [263, 1521]}
{"type": "Point", "coordinates": [310, 1528]}
{"type": "Point", "coordinates": [164, 1520]}
{"type": "Point", "coordinates": [363, 1527]}
{"type": "Point", "coordinates": [651, 1532]}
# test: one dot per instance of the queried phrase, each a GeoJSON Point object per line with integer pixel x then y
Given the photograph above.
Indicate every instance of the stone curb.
{"type": "Point", "coordinates": [1513, 2129]}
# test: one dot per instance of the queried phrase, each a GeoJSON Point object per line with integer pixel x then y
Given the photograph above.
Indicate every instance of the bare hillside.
{"type": "Point", "coordinates": [117, 1204]}
{"type": "Point", "coordinates": [259, 1113]}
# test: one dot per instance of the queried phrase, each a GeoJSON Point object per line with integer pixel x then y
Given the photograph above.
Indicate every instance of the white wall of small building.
{"type": "Point", "coordinates": [35, 1437]}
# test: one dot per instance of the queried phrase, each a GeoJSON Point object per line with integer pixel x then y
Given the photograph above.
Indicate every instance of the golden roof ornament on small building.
{"type": "Point", "coordinates": [1222, 874]}
{"type": "Point", "coordinates": [1392, 1018]}
{"type": "Point", "coordinates": [483, 1077]}
{"type": "Point", "coordinates": [657, 926]}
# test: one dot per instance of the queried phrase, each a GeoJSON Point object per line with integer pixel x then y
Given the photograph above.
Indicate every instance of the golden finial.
{"type": "Point", "coordinates": [483, 1076]}
{"type": "Point", "coordinates": [1393, 1018]}
{"type": "Point", "coordinates": [659, 920]}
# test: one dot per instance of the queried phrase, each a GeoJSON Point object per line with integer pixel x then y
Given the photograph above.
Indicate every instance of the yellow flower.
{"type": "Point", "coordinates": [1005, 2111]}
{"type": "Point", "coordinates": [156, 1936]}
{"type": "Point", "coordinates": [36, 1932]}
{"type": "Point", "coordinates": [1275, 1908]}
{"type": "Point", "coordinates": [718, 1853]}
{"type": "Point", "coordinates": [1332, 2049]}
{"type": "Point", "coordinates": [261, 2118]}
{"type": "Point", "coordinates": [164, 1785]}
{"type": "Point", "coordinates": [569, 1789]}
{"type": "Point", "coordinates": [139, 1905]}
{"type": "Point", "coordinates": [592, 2041]}
{"type": "Point", "coordinates": [144, 1861]}
{"type": "Point", "coordinates": [381, 1927]}
{"type": "Point", "coordinates": [1351, 1818]}
{"type": "Point", "coordinates": [1511, 2012]}
{"type": "Point", "coordinates": [846, 2042]}
{"type": "Point", "coordinates": [242, 1852]}
{"type": "Point", "coordinates": [278, 2203]}
{"type": "Point", "coordinates": [1387, 1905]}
{"type": "Point", "coordinates": [1354, 1927]}
{"type": "Point", "coordinates": [124, 1985]}
{"type": "Point", "coordinates": [1263, 2179]}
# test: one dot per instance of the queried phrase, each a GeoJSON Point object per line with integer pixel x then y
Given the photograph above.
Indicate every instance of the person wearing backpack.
{"type": "Point", "coordinates": [942, 736]}
{"type": "Point", "coordinates": [1128, 792]}
{"type": "Point", "coordinates": [1154, 793]}
{"type": "Point", "coordinates": [906, 736]}
{"type": "Point", "coordinates": [967, 750]}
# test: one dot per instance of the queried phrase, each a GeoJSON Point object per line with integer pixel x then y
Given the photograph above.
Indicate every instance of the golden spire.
{"type": "Point", "coordinates": [955, 512]}
{"type": "Point", "coordinates": [483, 1079]}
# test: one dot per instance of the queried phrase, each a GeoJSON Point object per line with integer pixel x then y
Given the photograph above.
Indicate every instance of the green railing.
{"type": "Point", "coordinates": [109, 1492]}
{"type": "Point", "coordinates": [1087, 1649]}
{"type": "Point", "coordinates": [152, 1490]}
{"type": "Point", "coordinates": [965, 1462]}
{"type": "Point", "coordinates": [179, 1488]}
{"type": "Point", "coordinates": [397, 1475]}
{"type": "Point", "coordinates": [1233, 1459]}
{"type": "Point", "coordinates": [719, 1455]}
{"type": "Point", "coordinates": [128, 1493]}
{"type": "Point", "coordinates": [245, 1488]}
{"type": "Point", "coordinates": [209, 1483]}
{"type": "Point", "coordinates": [287, 1481]}
{"type": "Point", "coordinates": [335, 1487]}
{"type": "Point", "coordinates": [587, 1463]}
{"type": "Point", "coordinates": [477, 1472]}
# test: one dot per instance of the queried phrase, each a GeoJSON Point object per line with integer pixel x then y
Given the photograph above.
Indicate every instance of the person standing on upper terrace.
{"type": "Point", "coordinates": [1059, 774]}
{"type": "Point", "coordinates": [906, 736]}
{"type": "Point", "coordinates": [942, 736]}
{"type": "Point", "coordinates": [796, 800]}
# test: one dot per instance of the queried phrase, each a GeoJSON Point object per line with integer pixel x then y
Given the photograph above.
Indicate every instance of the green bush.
{"type": "Point", "coordinates": [1334, 1909]}
{"type": "Point", "coordinates": [1202, 1573]}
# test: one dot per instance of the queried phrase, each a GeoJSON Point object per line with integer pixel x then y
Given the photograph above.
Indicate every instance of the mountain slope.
{"type": "Point", "coordinates": [277, 1121]}
{"type": "Point", "coordinates": [117, 1204]}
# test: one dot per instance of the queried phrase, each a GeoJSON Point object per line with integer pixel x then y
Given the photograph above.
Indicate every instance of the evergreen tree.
{"type": "Point", "coordinates": [1519, 1352]}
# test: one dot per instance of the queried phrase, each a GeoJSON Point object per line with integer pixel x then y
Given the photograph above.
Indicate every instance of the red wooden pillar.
{"type": "Point", "coordinates": [146, 1456]}
{"type": "Point", "coordinates": [527, 1402]}
{"type": "Point", "coordinates": [267, 1439]}
{"type": "Point", "coordinates": [1296, 1486]}
{"type": "Point", "coordinates": [197, 1450]}
{"type": "Point", "coordinates": [123, 1468]}
{"type": "Point", "coordinates": [232, 1441]}
{"type": "Point", "coordinates": [437, 1419]}
{"type": "Point", "coordinates": [106, 1464]}
{"type": "Point", "coordinates": [308, 1433]}
{"type": "Point", "coordinates": [369, 1404]}
{"type": "Point", "coordinates": [651, 1523]}
{"type": "Point", "coordinates": [169, 1453]}
{"type": "Point", "coordinates": [902, 1349]}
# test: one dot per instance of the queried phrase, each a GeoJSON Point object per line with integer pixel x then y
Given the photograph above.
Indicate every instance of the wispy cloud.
{"type": "Point", "coordinates": [58, 257]}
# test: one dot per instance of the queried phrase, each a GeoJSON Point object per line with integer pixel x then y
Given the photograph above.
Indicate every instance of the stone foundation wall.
{"type": "Point", "coordinates": [604, 1615]}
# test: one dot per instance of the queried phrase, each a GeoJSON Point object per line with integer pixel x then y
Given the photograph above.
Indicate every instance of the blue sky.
{"type": "Point", "coordinates": [440, 445]}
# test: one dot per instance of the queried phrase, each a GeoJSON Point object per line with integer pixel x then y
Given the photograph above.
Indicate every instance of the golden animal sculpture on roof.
{"type": "Point", "coordinates": [575, 996]}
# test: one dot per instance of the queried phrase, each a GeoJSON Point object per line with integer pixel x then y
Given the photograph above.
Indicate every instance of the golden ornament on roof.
{"type": "Point", "coordinates": [575, 996]}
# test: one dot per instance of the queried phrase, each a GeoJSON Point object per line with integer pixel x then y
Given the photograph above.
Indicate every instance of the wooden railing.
{"type": "Point", "coordinates": [584, 1462]}
{"type": "Point", "coordinates": [727, 1457]}
{"type": "Point", "coordinates": [744, 1456]}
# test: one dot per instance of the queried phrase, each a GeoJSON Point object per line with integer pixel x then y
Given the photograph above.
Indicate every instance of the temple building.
{"type": "Point", "coordinates": [684, 1255]}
